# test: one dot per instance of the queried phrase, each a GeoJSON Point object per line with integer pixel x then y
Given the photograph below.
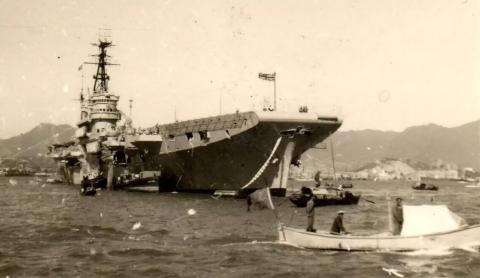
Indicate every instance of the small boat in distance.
{"type": "Point", "coordinates": [425, 227]}
{"type": "Point", "coordinates": [346, 185]}
{"type": "Point", "coordinates": [142, 179]}
{"type": "Point", "coordinates": [54, 179]}
{"type": "Point", "coordinates": [332, 194]}
{"type": "Point", "coordinates": [473, 185]}
{"type": "Point", "coordinates": [90, 191]}
{"type": "Point", "coordinates": [324, 197]}
{"type": "Point", "coordinates": [424, 186]}
{"type": "Point", "coordinates": [88, 188]}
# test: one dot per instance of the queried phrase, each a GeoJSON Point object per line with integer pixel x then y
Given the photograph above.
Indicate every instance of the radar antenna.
{"type": "Point", "coordinates": [100, 85]}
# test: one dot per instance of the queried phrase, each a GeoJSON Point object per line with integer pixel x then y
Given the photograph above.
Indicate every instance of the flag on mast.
{"type": "Point", "coordinates": [267, 76]}
{"type": "Point", "coordinates": [80, 67]}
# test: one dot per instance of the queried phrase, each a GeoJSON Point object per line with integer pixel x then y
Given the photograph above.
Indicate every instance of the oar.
{"type": "Point", "coordinates": [370, 201]}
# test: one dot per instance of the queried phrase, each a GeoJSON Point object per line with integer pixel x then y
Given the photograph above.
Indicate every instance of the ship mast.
{"type": "Point", "coordinates": [333, 161]}
{"type": "Point", "coordinates": [101, 78]}
{"type": "Point", "coordinates": [99, 111]}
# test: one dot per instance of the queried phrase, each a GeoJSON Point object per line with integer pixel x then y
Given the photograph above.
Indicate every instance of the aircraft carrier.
{"type": "Point", "coordinates": [242, 151]}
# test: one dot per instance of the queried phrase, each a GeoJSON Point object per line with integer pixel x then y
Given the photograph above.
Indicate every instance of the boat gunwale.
{"type": "Point", "coordinates": [373, 236]}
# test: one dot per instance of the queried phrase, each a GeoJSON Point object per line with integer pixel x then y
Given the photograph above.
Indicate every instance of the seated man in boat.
{"type": "Point", "coordinates": [310, 208]}
{"type": "Point", "coordinates": [337, 226]}
{"type": "Point", "coordinates": [397, 217]}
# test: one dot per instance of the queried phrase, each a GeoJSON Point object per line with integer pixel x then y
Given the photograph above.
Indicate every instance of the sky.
{"type": "Point", "coordinates": [378, 64]}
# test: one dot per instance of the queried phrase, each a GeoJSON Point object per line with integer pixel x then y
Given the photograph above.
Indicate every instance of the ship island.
{"type": "Point", "coordinates": [237, 152]}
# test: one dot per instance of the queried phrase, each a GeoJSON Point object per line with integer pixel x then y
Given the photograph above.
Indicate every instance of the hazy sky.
{"type": "Point", "coordinates": [378, 64]}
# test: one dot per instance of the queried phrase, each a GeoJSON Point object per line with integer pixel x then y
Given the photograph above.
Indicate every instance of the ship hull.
{"type": "Point", "coordinates": [255, 154]}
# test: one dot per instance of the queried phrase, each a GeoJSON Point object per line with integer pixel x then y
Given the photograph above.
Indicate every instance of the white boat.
{"type": "Point", "coordinates": [421, 231]}
{"type": "Point", "coordinates": [473, 185]}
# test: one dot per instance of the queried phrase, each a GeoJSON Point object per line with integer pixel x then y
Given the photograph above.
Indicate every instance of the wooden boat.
{"type": "Point", "coordinates": [331, 195]}
{"type": "Point", "coordinates": [88, 191]}
{"type": "Point", "coordinates": [54, 180]}
{"type": "Point", "coordinates": [473, 185]}
{"type": "Point", "coordinates": [227, 193]}
{"type": "Point", "coordinates": [324, 197]}
{"type": "Point", "coordinates": [346, 185]}
{"type": "Point", "coordinates": [136, 182]}
{"type": "Point", "coordinates": [424, 186]}
{"type": "Point", "coordinates": [99, 182]}
{"type": "Point", "coordinates": [88, 187]}
{"type": "Point", "coordinates": [422, 230]}
{"type": "Point", "coordinates": [462, 237]}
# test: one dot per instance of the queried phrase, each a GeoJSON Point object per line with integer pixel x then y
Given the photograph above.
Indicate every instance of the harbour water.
{"type": "Point", "coordinates": [50, 230]}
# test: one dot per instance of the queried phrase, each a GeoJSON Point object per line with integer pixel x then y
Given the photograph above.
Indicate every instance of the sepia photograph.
{"type": "Point", "coordinates": [240, 138]}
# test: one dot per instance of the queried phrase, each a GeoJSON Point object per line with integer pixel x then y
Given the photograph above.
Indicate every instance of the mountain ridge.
{"type": "Point", "coordinates": [425, 144]}
{"type": "Point", "coordinates": [428, 144]}
{"type": "Point", "coordinates": [36, 140]}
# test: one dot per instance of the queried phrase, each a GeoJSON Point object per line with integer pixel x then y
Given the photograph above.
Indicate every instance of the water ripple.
{"type": "Point", "coordinates": [54, 232]}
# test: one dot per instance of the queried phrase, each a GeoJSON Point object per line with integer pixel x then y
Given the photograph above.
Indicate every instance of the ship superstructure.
{"type": "Point", "coordinates": [101, 148]}
{"type": "Point", "coordinates": [98, 120]}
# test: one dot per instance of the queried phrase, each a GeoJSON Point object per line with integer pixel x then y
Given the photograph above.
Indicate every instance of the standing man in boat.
{"type": "Point", "coordinates": [397, 216]}
{"type": "Point", "coordinates": [249, 202]}
{"type": "Point", "coordinates": [317, 179]}
{"type": "Point", "coordinates": [311, 213]}
{"type": "Point", "coordinates": [337, 226]}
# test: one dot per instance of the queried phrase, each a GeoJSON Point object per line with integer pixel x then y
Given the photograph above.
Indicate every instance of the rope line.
{"type": "Point", "coordinates": [264, 166]}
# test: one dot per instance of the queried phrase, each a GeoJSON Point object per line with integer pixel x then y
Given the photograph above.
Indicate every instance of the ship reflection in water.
{"type": "Point", "coordinates": [51, 231]}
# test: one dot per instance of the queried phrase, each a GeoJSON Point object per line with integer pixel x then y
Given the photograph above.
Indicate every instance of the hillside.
{"type": "Point", "coordinates": [419, 145]}
{"type": "Point", "coordinates": [35, 142]}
